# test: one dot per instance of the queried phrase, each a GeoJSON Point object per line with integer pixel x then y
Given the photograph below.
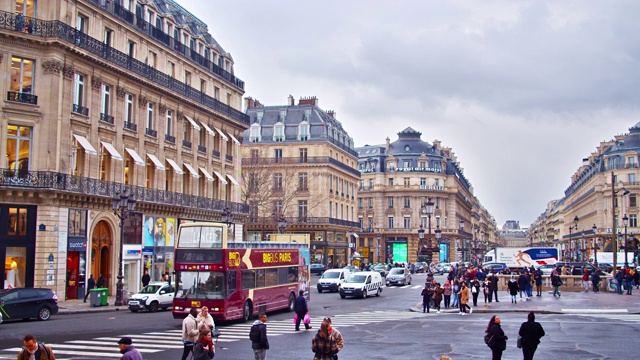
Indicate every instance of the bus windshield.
{"type": "Point", "coordinates": [200, 285]}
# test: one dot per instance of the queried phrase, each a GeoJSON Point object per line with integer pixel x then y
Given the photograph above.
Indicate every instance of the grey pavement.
{"type": "Point", "coordinates": [567, 303]}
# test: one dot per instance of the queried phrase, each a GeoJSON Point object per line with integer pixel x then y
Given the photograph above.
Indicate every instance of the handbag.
{"type": "Point", "coordinates": [519, 342]}
{"type": "Point", "coordinates": [306, 320]}
{"type": "Point", "coordinates": [295, 318]}
{"type": "Point", "coordinates": [215, 333]}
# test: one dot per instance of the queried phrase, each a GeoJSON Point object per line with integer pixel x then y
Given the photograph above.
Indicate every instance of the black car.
{"type": "Point", "coordinates": [26, 303]}
{"type": "Point", "coordinates": [318, 269]}
{"type": "Point", "coordinates": [575, 268]}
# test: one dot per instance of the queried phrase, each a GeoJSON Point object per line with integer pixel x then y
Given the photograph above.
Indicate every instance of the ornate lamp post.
{"type": "Point", "coordinates": [420, 241]}
{"type": "Point", "coordinates": [595, 245]}
{"type": "Point", "coordinates": [461, 248]}
{"type": "Point", "coordinates": [378, 249]}
{"type": "Point", "coordinates": [227, 218]}
{"type": "Point", "coordinates": [282, 224]}
{"type": "Point", "coordinates": [428, 210]}
{"type": "Point", "coordinates": [571, 228]}
{"type": "Point", "coordinates": [438, 237]}
{"type": "Point", "coordinates": [123, 205]}
{"type": "Point", "coordinates": [625, 221]}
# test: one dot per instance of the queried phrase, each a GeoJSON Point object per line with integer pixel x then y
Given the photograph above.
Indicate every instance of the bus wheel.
{"type": "Point", "coordinates": [246, 312]}
{"type": "Point", "coordinates": [292, 302]}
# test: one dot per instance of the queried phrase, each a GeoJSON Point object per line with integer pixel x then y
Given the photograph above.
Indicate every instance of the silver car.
{"type": "Point", "coordinates": [398, 276]}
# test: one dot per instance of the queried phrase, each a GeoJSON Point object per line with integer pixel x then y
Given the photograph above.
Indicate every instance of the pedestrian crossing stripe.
{"type": "Point", "coordinates": [157, 341]}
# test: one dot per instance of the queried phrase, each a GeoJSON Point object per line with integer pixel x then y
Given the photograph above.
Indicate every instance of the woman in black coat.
{"type": "Point", "coordinates": [531, 332]}
{"type": "Point", "coordinates": [498, 342]}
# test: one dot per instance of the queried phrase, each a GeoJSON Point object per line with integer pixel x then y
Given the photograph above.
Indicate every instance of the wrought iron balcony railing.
{"type": "Point", "coordinates": [74, 37]}
{"type": "Point", "coordinates": [228, 157]}
{"type": "Point", "coordinates": [22, 97]}
{"type": "Point", "coordinates": [314, 160]}
{"type": "Point", "coordinates": [106, 118]}
{"type": "Point", "coordinates": [266, 221]}
{"type": "Point", "coordinates": [169, 138]}
{"type": "Point", "coordinates": [186, 144]}
{"type": "Point", "coordinates": [202, 149]}
{"type": "Point", "coordinates": [78, 109]}
{"type": "Point", "coordinates": [151, 132]}
{"type": "Point", "coordinates": [215, 153]}
{"type": "Point", "coordinates": [53, 181]}
{"type": "Point", "coordinates": [130, 126]}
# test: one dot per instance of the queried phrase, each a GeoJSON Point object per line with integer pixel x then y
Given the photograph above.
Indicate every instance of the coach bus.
{"type": "Point", "coordinates": [239, 279]}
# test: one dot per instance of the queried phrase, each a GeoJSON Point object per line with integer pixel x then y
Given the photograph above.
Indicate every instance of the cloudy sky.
{"type": "Point", "coordinates": [521, 91]}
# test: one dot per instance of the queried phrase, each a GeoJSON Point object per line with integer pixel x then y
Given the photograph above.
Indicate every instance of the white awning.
{"type": "Point", "coordinates": [175, 166]}
{"type": "Point", "coordinates": [222, 134]}
{"type": "Point", "coordinates": [158, 163]}
{"type": "Point", "coordinates": [193, 171]}
{"type": "Point", "coordinates": [193, 123]}
{"type": "Point", "coordinates": [234, 139]}
{"type": "Point", "coordinates": [111, 150]}
{"type": "Point", "coordinates": [86, 145]}
{"type": "Point", "coordinates": [206, 127]}
{"type": "Point", "coordinates": [136, 158]}
{"type": "Point", "coordinates": [233, 180]}
{"type": "Point", "coordinates": [220, 177]}
{"type": "Point", "coordinates": [206, 173]}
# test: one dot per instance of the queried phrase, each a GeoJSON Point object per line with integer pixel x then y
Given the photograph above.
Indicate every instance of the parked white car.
{"type": "Point", "coordinates": [155, 296]}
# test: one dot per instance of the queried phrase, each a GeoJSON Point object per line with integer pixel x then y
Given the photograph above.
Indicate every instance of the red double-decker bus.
{"type": "Point", "coordinates": [235, 280]}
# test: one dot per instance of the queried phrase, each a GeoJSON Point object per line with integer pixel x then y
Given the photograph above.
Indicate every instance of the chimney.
{"type": "Point", "coordinates": [388, 143]}
{"type": "Point", "coordinates": [291, 101]}
{"type": "Point", "coordinates": [331, 113]}
{"type": "Point", "coordinates": [257, 103]}
{"type": "Point", "coordinates": [248, 102]}
{"type": "Point", "coordinates": [311, 100]}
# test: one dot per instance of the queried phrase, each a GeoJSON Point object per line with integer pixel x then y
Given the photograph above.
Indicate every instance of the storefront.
{"type": "Point", "coordinates": [17, 244]}
{"type": "Point", "coordinates": [397, 250]}
{"type": "Point", "coordinates": [76, 254]}
{"type": "Point", "coordinates": [158, 234]}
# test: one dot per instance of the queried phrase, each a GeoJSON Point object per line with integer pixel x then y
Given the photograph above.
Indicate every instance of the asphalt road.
{"type": "Point", "coordinates": [373, 328]}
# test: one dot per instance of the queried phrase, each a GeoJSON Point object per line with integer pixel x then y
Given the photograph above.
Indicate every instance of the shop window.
{"type": "Point", "coordinates": [17, 222]}
{"type": "Point", "coordinates": [77, 223]}
{"type": "Point", "coordinates": [18, 152]}
{"type": "Point", "coordinates": [26, 7]}
{"type": "Point", "coordinates": [22, 80]}
{"type": "Point", "coordinates": [15, 267]}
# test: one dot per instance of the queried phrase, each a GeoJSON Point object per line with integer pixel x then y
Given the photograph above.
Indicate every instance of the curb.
{"type": "Point", "coordinates": [489, 311]}
{"type": "Point", "coordinates": [89, 310]}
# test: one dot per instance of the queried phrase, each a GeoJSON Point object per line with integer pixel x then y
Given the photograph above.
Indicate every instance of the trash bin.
{"type": "Point", "coordinates": [103, 292]}
{"type": "Point", "coordinates": [94, 297]}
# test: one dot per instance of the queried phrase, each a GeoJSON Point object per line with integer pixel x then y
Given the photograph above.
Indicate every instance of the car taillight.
{"type": "Point", "coordinates": [55, 298]}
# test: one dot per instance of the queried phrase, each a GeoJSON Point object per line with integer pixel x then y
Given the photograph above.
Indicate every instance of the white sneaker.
{"type": "Point", "coordinates": [438, 312]}
{"type": "Point", "coordinates": [470, 310]}
{"type": "Point", "coordinates": [460, 313]}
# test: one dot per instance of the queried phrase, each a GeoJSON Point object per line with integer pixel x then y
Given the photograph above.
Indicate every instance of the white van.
{"type": "Point", "coordinates": [361, 284]}
{"type": "Point", "coordinates": [332, 278]}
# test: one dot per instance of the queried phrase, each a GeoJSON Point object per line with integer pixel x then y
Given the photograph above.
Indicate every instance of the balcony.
{"type": "Point", "coordinates": [202, 149]}
{"type": "Point", "coordinates": [186, 144]}
{"type": "Point", "coordinates": [308, 160]}
{"type": "Point", "coordinates": [22, 97]}
{"type": "Point", "coordinates": [80, 110]}
{"type": "Point", "coordinates": [151, 132]}
{"type": "Point", "coordinates": [130, 126]}
{"type": "Point", "coordinates": [215, 154]}
{"type": "Point", "coordinates": [169, 138]}
{"type": "Point", "coordinates": [106, 118]}
{"type": "Point", "coordinates": [56, 29]}
{"type": "Point", "coordinates": [65, 183]}
{"type": "Point", "coordinates": [263, 221]}
{"type": "Point", "coordinates": [228, 157]}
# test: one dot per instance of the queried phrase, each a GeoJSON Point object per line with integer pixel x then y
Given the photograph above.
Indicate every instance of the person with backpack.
{"type": "Point", "coordinates": [530, 333]}
{"type": "Point", "coordinates": [189, 332]}
{"type": "Point", "coordinates": [127, 350]}
{"type": "Point", "coordinates": [258, 337]}
{"type": "Point", "coordinates": [495, 338]}
{"type": "Point", "coordinates": [32, 350]}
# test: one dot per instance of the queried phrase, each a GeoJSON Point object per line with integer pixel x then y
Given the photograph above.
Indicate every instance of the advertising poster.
{"type": "Point", "coordinates": [158, 235]}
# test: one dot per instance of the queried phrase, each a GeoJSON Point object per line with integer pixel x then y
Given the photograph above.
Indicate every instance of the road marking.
{"type": "Point", "coordinates": [594, 311]}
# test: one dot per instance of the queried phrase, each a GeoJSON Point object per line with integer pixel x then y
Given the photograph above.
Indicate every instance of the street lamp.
{"type": "Point", "coordinates": [625, 221]}
{"type": "Point", "coordinates": [438, 238]}
{"type": "Point", "coordinates": [572, 227]}
{"type": "Point", "coordinates": [378, 237]}
{"type": "Point", "coordinates": [227, 217]}
{"type": "Point", "coordinates": [461, 248]}
{"type": "Point", "coordinates": [428, 210]}
{"type": "Point", "coordinates": [282, 224]}
{"type": "Point", "coordinates": [123, 205]}
{"type": "Point", "coordinates": [420, 240]}
{"type": "Point", "coordinates": [595, 245]}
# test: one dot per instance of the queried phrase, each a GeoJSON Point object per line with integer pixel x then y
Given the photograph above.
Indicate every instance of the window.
{"type": "Point", "coordinates": [632, 178]}
{"type": "Point", "coordinates": [108, 37]}
{"type": "Point", "coordinates": [407, 222]}
{"type": "Point", "coordinates": [216, 93]}
{"type": "Point", "coordinates": [254, 135]}
{"type": "Point", "coordinates": [131, 49]}
{"type": "Point", "coordinates": [187, 78]}
{"type": "Point", "coordinates": [303, 131]}
{"type": "Point", "coordinates": [152, 59]}
{"type": "Point", "coordinates": [82, 23]}
{"type": "Point", "coordinates": [77, 223]}
{"type": "Point", "coordinates": [302, 209]}
{"type": "Point", "coordinates": [407, 163]}
{"type": "Point", "coordinates": [18, 153]}
{"type": "Point", "coordinates": [150, 119]}
{"type": "Point", "coordinates": [22, 79]}
{"type": "Point", "coordinates": [277, 206]}
{"type": "Point", "coordinates": [172, 69]}
{"type": "Point", "coordinates": [278, 155]}
{"type": "Point", "coordinates": [391, 182]}
{"type": "Point", "coordinates": [631, 160]}
{"type": "Point", "coordinates": [17, 222]}
{"type": "Point", "coordinates": [26, 7]}
{"type": "Point", "coordinates": [390, 222]}
{"type": "Point", "coordinates": [106, 99]}
{"type": "Point", "coordinates": [633, 220]}
{"type": "Point", "coordinates": [278, 132]}
{"type": "Point", "coordinates": [128, 111]}
{"type": "Point", "coordinates": [632, 200]}
{"type": "Point", "coordinates": [370, 202]}
{"type": "Point", "coordinates": [437, 203]}
{"type": "Point", "coordinates": [78, 96]}
{"type": "Point", "coordinates": [277, 182]}
{"type": "Point", "coordinates": [370, 184]}
{"type": "Point", "coordinates": [406, 182]}
{"type": "Point", "coordinates": [203, 139]}
{"type": "Point", "coordinates": [203, 86]}
{"type": "Point", "coordinates": [407, 202]}
{"type": "Point", "coordinates": [423, 183]}
{"type": "Point", "coordinates": [169, 123]}
{"type": "Point", "coordinates": [360, 203]}
{"type": "Point", "coordinates": [423, 164]}
{"type": "Point", "coordinates": [186, 132]}
{"type": "Point", "coordinates": [302, 181]}
{"type": "Point", "coordinates": [303, 155]}
{"type": "Point", "coordinates": [437, 182]}
{"type": "Point", "coordinates": [390, 202]}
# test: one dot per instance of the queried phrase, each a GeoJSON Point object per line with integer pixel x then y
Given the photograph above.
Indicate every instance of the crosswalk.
{"type": "Point", "coordinates": [614, 317]}
{"type": "Point", "coordinates": [155, 342]}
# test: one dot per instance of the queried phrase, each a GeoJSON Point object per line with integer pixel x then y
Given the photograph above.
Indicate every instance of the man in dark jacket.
{"type": "Point", "coordinates": [146, 279]}
{"type": "Point", "coordinates": [427, 294]}
{"type": "Point", "coordinates": [102, 282]}
{"type": "Point", "coordinates": [493, 279]}
{"type": "Point", "coordinates": [91, 283]}
{"type": "Point", "coordinates": [531, 332]}
{"type": "Point", "coordinates": [595, 280]}
{"type": "Point", "coordinates": [301, 310]}
{"type": "Point", "coordinates": [258, 335]}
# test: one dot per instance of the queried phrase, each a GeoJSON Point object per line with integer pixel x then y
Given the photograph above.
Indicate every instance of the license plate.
{"type": "Point", "coordinates": [134, 303]}
{"type": "Point", "coordinates": [347, 291]}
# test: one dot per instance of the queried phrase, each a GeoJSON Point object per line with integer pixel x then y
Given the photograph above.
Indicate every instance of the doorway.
{"type": "Point", "coordinates": [101, 244]}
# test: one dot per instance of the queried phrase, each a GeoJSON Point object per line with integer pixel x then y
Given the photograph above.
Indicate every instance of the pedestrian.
{"type": "Point", "coordinates": [513, 289]}
{"type": "Point", "coordinates": [464, 299]}
{"type": "Point", "coordinates": [528, 274]}
{"type": "Point", "coordinates": [456, 293]}
{"type": "Point", "coordinates": [636, 279]}
{"type": "Point", "coordinates": [437, 297]}
{"type": "Point", "coordinates": [205, 320]}
{"type": "Point", "coordinates": [91, 284]}
{"type": "Point", "coordinates": [189, 332]}
{"type": "Point", "coordinates": [204, 348]}
{"type": "Point", "coordinates": [537, 277]}
{"type": "Point", "coordinates": [522, 285]}
{"type": "Point", "coordinates": [628, 281]}
{"type": "Point", "coordinates": [498, 340]}
{"type": "Point", "coordinates": [585, 279]}
{"type": "Point", "coordinates": [619, 279]}
{"type": "Point", "coordinates": [127, 350]}
{"type": "Point", "coordinates": [102, 282]}
{"type": "Point", "coordinates": [595, 280]}
{"type": "Point", "coordinates": [258, 336]}
{"type": "Point", "coordinates": [494, 285]}
{"type": "Point", "coordinates": [427, 295]}
{"type": "Point", "coordinates": [322, 345]}
{"type": "Point", "coordinates": [335, 336]}
{"type": "Point", "coordinates": [475, 291]}
{"type": "Point", "coordinates": [32, 350]}
{"type": "Point", "coordinates": [486, 290]}
{"type": "Point", "coordinates": [447, 294]}
{"type": "Point", "coordinates": [146, 279]}
{"type": "Point", "coordinates": [301, 310]}
{"type": "Point", "coordinates": [556, 282]}
{"type": "Point", "coordinates": [530, 333]}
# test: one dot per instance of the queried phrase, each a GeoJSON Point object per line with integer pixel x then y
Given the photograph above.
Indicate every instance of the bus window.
{"type": "Point", "coordinates": [248, 279]}
{"type": "Point", "coordinates": [260, 278]}
{"type": "Point", "coordinates": [203, 285]}
{"type": "Point", "coordinates": [231, 282]}
{"type": "Point", "coordinates": [293, 274]}
{"type": "Point", "coordinates": [271, 276]}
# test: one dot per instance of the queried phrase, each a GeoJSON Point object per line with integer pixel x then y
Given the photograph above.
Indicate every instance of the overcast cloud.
{"type": "Point", "coordinates": [521, 91]}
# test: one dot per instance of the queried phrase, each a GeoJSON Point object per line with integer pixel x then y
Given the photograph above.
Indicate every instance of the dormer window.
{"type": "Point", "coordinates": [283, 115]}
{"type": "Point", "coordinates": [254, 133]}
{"type": "Point", "coordinates": [407, 148]}
{"type": "Point", "coordinates": [303, 131]}
{"type": "Point", "coordinates": [307, 115]}
{"type": "Point", "coordinates": [278, 131]}
{"type": "Point", "coordinates": [259, 116]}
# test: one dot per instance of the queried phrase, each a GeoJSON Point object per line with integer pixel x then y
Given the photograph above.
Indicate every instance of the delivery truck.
{"type": "Point", "coordinates": [520, 257]}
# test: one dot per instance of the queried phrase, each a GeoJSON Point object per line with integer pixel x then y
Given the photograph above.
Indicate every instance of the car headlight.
{"type": "Point", "coordinates": [144, 298]}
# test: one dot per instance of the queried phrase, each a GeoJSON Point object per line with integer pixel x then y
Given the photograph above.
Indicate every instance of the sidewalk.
{"type": "Point", "coordinates": [568, 303]}
{"type": "Point", "coordinates": [78, 306]}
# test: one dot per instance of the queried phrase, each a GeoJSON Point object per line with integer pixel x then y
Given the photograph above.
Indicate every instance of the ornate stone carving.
{"type": "Point", "coordinates": [68, 71]}
{"type": "Point", "coordinates": [163, 109]}
{"type": "Point", "coordinates": [120, 92]}
{"type": "Point", "coordinates": [142, 100]}
{"type": "Point", "coordinates": [52, 67]}
{"type": "Point", "coordinates": [96, 82]}
{"type": "Point", "coordinates": [1, 56]}
{"type": "Point", "coordinates": [180, 114]}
